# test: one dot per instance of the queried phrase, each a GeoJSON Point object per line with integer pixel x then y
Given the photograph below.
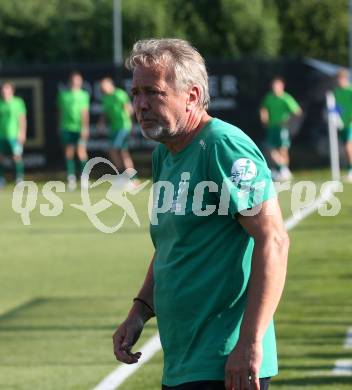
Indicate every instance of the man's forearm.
{"type": "Point", "coordinates": [145, 294]}
{"type": "Point", "coordinates": [297, 113]}
{"type": "Point", "coordinates": [266, 284]}
{"type": "Point", "coordinates": [23, 127]}
{"type": "Point", "coordinates": [85, 120]}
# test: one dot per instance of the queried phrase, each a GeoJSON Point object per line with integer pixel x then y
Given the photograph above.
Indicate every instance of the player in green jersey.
{"type": "Point", "coordinates": [220, 257]}
{"type": "Point", "coordinates": [275, 111]}
{"type": "Point", "coordinates": [117, 109]}
{"type": "Point", "coordinates": [73, 106]}
{"type": "Point", "coordinates": [343, 97]}
{"type": "Point", "coordinates": [13, 127]}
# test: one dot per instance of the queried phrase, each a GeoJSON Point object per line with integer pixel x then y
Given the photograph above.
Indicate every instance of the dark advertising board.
{"type": "Point", "coordinates": [236, 89]}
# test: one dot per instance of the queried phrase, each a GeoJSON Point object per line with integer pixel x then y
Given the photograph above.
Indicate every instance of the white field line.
{"type": "Point", "coordinates": [342, 367]}
{"type": "Point", "coordinates": [348, 340]}
{"type": "Point", "coordinates": [298, 216]}
{"type": "Point", "coordinates": [152, 346]}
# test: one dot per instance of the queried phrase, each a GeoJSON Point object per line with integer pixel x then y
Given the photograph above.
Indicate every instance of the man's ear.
{"type": "Point", "coordinates": [193, 98]}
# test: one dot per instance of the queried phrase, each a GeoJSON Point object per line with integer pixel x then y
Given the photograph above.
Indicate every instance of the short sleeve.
{"type": "Point", "coordinates": [21, 107]}
{"type": "Point", "coordinates": [239, 169]}
{"type": "Point", "coordinates": [85, 100]}
{"type": "Point", "coordinates": [125, 97]}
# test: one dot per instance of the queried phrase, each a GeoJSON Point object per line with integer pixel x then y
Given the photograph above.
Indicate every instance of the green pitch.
{"type": "Point", "coordinates": [64, 287]}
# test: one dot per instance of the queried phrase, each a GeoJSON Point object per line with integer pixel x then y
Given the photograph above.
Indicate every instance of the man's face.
{"type": "Point", "coordinates": [343, 81]}
{"type": "Point", "coordinates": [106, 87]}
{"type": "Point", "coordinates": [6, 91]}
{"type": "Point", "coordinates": [278, 87]}
{"type": "Point", "coordinates": [160, 108]}
{"type": "Point", "coordinates": [76, 81]}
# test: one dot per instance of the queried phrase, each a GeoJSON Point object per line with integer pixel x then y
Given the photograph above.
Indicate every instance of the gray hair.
{"type": "Point", "coordinates": [186, 67]}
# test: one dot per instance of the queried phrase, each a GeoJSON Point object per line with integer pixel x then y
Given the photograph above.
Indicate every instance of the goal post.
{"type": "Point", "coordinates": [334, 123]}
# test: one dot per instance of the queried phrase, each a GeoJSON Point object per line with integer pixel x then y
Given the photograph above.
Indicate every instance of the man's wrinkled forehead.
{"type": "Point", "coordinates": [151, 76]}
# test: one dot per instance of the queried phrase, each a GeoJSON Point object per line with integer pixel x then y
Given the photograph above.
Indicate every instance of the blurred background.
{"type": "Point", "coordinates": [64, 285]}
{"type": "Point", "coordinates": [245, 44]}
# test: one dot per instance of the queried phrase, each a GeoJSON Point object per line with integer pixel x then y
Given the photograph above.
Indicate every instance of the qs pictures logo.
{"type": "Point", "coordinates": [121, 185]}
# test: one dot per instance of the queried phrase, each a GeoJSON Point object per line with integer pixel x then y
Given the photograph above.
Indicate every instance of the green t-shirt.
{"type": "Point", "coordinates": [10, 113]}
{"type": "Point", "coordinates": [343, 97]}
{"type": "Point", "coordinates": [202, 263]}
{"type": "Point", "coordinates": [71, 103]}
{"type": "Point", "coordinates": [280, 108]}
{"type": "Point", "coordinates": [114, 109]}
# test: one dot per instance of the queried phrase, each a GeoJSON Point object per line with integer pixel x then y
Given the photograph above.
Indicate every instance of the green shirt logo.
{"type": "Point", "coordinates": [243, 169]}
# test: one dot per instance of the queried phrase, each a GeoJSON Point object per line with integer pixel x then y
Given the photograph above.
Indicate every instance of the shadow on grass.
{"type": "Point", "coordinates": [314, 381]}
{"type": "Point", "coordinates": [330, 356]}
{"type": "Point", "coordinates": [344, 354]}
{"type": "Point", "coordinates": [66, 314]}
{"type": "Point", "coordinates": [47, 231]}
{"type": "Point", "coordinates": [303, 337]}
{"type": "Point", "coordinates": [66, 328]}
{"type": "Point", "coordinates": [310, 368]}
{"type": "Point", "coordinates": [310, 226]}
{"type": "Point", "coordinates": [20, 308]}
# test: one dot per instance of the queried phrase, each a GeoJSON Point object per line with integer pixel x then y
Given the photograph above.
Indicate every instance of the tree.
{"type": "Point", "coordinates": [48, 31]}
{"type": "Point", "coordinates": [140, 20]}
{"type": "Point", "coordinates": [228, 28]}
{"type": "Point", "coordinates": [314, 28]}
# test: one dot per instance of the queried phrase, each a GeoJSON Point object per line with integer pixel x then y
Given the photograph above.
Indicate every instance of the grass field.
{"type": "Point", "coordinates": [64, 287]}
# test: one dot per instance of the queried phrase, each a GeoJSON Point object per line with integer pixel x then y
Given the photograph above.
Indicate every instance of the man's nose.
{"type": "Point", "coordinates": [141, 102]}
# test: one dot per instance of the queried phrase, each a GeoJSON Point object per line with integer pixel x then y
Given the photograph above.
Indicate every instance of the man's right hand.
{"type": "Point", "coordinates": [125, 337]}
{"type": "Point", "coordinates": [129, 331]}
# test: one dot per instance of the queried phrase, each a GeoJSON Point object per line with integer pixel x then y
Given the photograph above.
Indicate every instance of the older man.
{"type": "Point", "coordinates": [216, 278]}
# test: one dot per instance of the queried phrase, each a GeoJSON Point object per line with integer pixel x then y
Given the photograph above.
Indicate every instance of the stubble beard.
{"type": "Point", "coordinates": [159, 133]}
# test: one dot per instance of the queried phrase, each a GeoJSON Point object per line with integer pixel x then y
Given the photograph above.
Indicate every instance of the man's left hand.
{"type": "Point", "coordinates": [242, 367]}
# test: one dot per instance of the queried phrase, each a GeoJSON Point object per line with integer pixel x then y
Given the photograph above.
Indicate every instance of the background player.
{"type": "Point", "coordinates": [117, 109]}
{"type": "Point", "coordinates": [13, 129]}
{"type": "Point", "coordinates": [73, 105]}
{"type": "Point", "coordinates": [343, 96]}
{"type": "Point", "coordinates": [276, 109]}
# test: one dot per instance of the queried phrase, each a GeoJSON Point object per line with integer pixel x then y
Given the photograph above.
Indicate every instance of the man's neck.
{"type": "Point", "coordinates": [194, 124]}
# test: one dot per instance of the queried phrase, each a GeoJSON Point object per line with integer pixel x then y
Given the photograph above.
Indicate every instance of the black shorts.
{"type": "Point", "coordinates": [211, 385]}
